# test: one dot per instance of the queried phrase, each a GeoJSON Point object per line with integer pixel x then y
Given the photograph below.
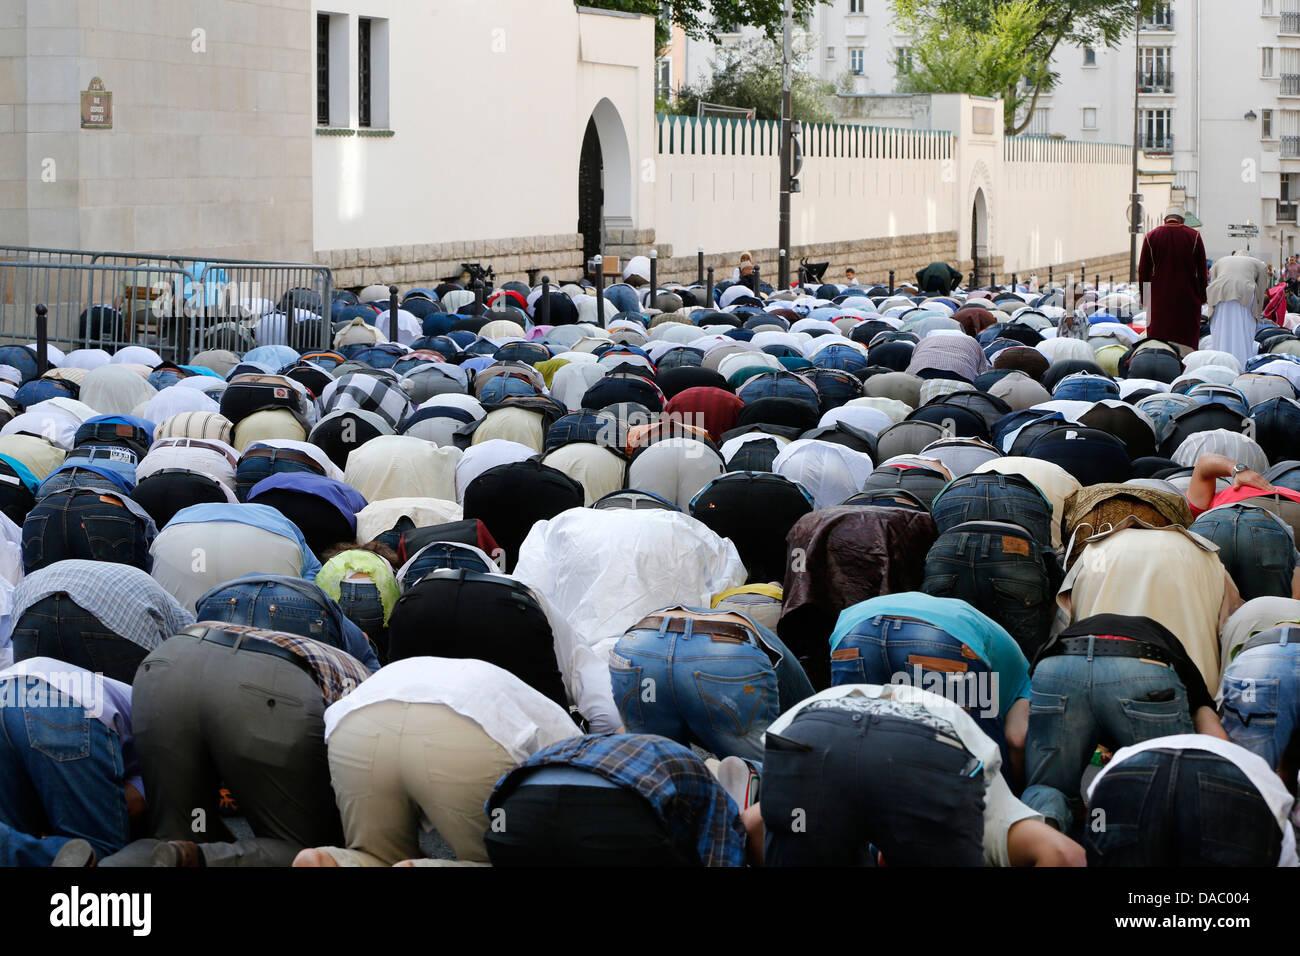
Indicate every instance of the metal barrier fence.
{"type": "Point", "coordinates": [176, 305]}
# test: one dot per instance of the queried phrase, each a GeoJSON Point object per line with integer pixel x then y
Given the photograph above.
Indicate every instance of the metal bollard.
{"type": "Point", "coordinates": [758, 281]}
{"type": "Point", "coordinates": [712, 303]}
{"type": "Point", "coordinates": [545, 302]}
{"type": "Point", "coordinates": [599, 262]}
{"type": "Point", "coordinates": [392, 311]}
{"type": "Point", "coordinates": [1051, 275]}
{"type": "Point", "coordinates": [654, 272]}
{"type": "Point", "coordinates": [891, 281]}
{"type": "Point", "coordinates": [478, 296]}
{"type": "Point", "coordinates": [699, 265]}
{"type": "Point", "coordinates": [1014, 281]}
{"type": "Point", "coordinates": [43, 340]}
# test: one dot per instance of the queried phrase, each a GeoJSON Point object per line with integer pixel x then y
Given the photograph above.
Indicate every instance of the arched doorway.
{"type": "Point", "coordinates": [979, 237]}
{"type": "Point", "coordinates": [591, 193]}
{"type": "Point", "coordinates": [604, 180]}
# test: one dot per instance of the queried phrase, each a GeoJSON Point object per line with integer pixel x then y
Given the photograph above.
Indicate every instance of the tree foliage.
{"type": "Point", "coordinates": [706, 19]}
{"type": "Point", "coordinates": [1005, 47]}
{"type": "Point", "coordinates": [749, 77]}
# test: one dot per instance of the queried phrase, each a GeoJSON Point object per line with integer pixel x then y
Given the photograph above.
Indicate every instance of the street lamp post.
{"type": "Point", "coordinates": [783, 230]}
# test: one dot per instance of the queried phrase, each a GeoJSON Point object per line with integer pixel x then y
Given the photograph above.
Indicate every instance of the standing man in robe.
{"type": "Point", "coordinates": [1175, 272]}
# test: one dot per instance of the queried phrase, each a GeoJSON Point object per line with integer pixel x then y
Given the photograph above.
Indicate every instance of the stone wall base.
{"type": "Point", "coordinates": [1101, 268]}
{"type": "Point", "coordinates": [559, 257]}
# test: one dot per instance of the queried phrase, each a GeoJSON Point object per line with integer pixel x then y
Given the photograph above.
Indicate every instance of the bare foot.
{"type": "Point", "coordinates": [405, 863]}
{"type": "Point", "coordinates": [314, 857]}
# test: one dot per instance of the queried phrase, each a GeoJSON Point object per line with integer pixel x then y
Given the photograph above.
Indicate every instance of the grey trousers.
{"type": "Point", "coordinates": [205, 716]}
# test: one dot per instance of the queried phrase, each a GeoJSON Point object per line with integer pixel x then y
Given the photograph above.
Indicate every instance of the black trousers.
{"type": "Point", "coordinates": [837, 782]}
{"type": "Point", "coordinates": [545, 825]}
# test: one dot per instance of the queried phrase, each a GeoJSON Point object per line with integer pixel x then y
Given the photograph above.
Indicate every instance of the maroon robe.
{"type": "Point", "coordinates": [1173, 263]}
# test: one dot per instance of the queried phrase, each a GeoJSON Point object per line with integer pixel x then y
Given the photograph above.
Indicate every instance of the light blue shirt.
{"type": "Point", "coordinates": [988, 639]}
{"type": "Point", "coordinates": [257, 516]}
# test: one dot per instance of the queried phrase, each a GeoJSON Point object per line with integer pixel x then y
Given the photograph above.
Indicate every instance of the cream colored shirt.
{"type": "Point", "coordinates": [1167, 574]}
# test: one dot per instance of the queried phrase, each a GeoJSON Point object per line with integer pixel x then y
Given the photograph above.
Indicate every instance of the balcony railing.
{"type": "Point", "coordinates": [1158, 144]}
{"type": "Point", "coordinates": [1290, 147]}
{"type": "Point", "coordinates": [1290, 85]}
{"type": "Point", "coordinates": [1286, 211]}
{"type": "Point", "coordinates": [1160, 81]}
{"type": "Point", "coordinates": [1289, 22]}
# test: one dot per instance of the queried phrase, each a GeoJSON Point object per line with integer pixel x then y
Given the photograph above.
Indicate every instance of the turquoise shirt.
{"type": "Point", "coordinates": [988, 639]}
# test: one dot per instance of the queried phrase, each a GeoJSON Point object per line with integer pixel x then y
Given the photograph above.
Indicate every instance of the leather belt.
{"type": "Point", "coordinates": [1109, 647]}
{"type": "Point", "coordinates": [248, 642]}
{"type": "Point", "coordinates": [285, 454]}
{"type": "Point", "coordinates": [677, 625]}
{"type": "Point", "coordinates": [1270, 639]}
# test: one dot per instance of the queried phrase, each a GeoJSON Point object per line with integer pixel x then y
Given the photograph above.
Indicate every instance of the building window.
{"type": "Point", "coordinates": [1265, 124]}
{"type": "Point", "coordinates": [322, 69]}
{"type": "Point", "coordinates": [1156, 77]}
{"type": "Point", "coordinates": [1162, 18]}
{"type": "Point", "coordinates": [1266, 62]}
{"type": "Point", "coordinates": [363, 72]}
{"type": "Point", "coordinates": [1089, 56]}
{"type": "Point", "coordinates": [1090, 117]}
{"type": "Point", "coordinates": [830, 53]}
{"type": "Point", "coordinates": [1268, 8]}
{"type": "Point", "coordinates": [664, 84]}
{"type": "Point", "coordinates": [903, 60]}
{"type": "Point", "coordinates": [1040, 123]}
{"type": "Point", "coordinates": [857, 6]}
{"type": "Point", "coordinates": [1157, 130]}
{"type": "Point", "coordinates": [1286, 204]}
{"type": "Point", "coordinates": [856, 60]}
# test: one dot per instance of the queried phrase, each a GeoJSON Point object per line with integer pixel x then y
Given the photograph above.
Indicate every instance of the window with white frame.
{"type": "Point", "coordinates": [1157, 130]}
{"type": "Point", "coordinates": [1268, 8]}
{"type": "Point", "coordinates": [1040, 123]}
{"type": "Point", "coordinates": [1090, 117]}
{"type": "Point", "coordinates": [1089, 56]}
{"type": "Point", "coordinates": [1265, 124]}
{"type": "Point", "coordinates": [857, 60]}
{"type": "Point", "coordinates": [1266, 62]}
{"type": "Point", "coordinates": [830, 53]}
{"type": "Point", "coordinates": [903, 60]}
{"type": "Point", "coordinates": [664, 79]}
{"type": "Point", "coordinates": [857, 6]}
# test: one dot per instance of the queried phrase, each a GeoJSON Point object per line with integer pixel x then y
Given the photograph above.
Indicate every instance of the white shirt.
{"type": "Point", "coordinates": [374, 519]}
{"type": "Point", "coordinates": [1001, 809]}
{"type": "Point", "coordinates": [512, 713]}
{"type": "Point", "coordinates": [1255, 767]}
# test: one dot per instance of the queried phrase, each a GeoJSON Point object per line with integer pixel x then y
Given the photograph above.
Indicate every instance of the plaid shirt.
{"type": "Point", "coordinates": [146, 620]}
{"type": "Point", "coordinates": [337, 672]}
{"type": "Point", "coordinates": [949, 353]}
{"type": "Point", "coordinates": [370, 393]}
{"type": "Point", "coordinates": [677, 783]}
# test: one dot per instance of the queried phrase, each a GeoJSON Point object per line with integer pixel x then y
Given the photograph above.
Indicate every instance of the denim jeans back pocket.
{"type": "Point", "coordinates": [58, 733]}
{"type": "Point", "coordinates": [1148, 718]}
{"type": "Point", "coordinates": [736, 704]}
{"type": "Point", "coordinates": [1236, 826]}
{"type": "Point", "coordinates": [1046, 721]}
{"type": "Point", "coordinates": [626, 684]}
{"type": "Point", "coordinates": [848, 667]}
{"type": "Point", "coordinates": [1117, 805]}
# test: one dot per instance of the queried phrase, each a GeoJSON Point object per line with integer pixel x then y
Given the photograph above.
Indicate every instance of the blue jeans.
{"type": "Point", "coordinates": [61, 775]}
{"type": "Point", "coordinates": [999, 571]}
{"type": "Point", "coordinates": [70, 524]}
{"type": "Point", "coordinates": [704, 689]}
{"type": "Point", "coordinates": [1261, 699]}
{"type": "Point", "coordinates": [1075, 703]}
{"type": "Point", "coordinates": [890, 650]}
{"type": "Point", "coordinates": [58, 627]}
{"type": "Point", "coordinates": [277, 607]}
{"type": "Point", "coordinates": [361, 604]}
{"type": "Point", "coordinates": [254, 469]}
{"type": "Point", "coordinates": [994, 498]}
{"type": "Point", "coordinates": [1181, 808]}
{"type": "Point", "coordinates": [1254, 546]}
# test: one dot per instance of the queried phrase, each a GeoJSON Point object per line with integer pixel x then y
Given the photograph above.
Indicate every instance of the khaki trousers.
{"type": "Point", "coordinates": [392, 762]}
